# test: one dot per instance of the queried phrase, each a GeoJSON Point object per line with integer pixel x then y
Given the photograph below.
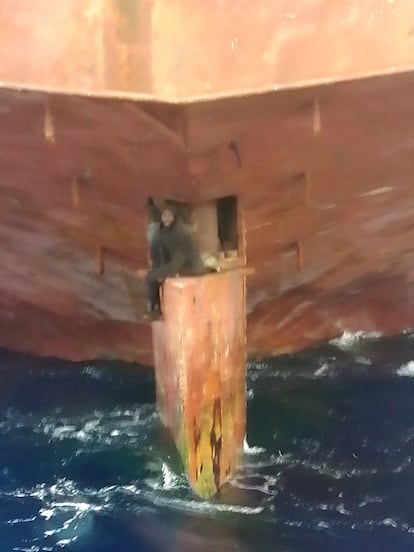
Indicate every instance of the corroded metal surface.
{"type": "Point", "coordinates": [88, 46]}
{"type": "Point", "coordinates": [177, 50]}
{"type": "Point", "coordinates": [237, 48]}
{"type": "Point", "coordinates": [323, 176]}
{"type": "Point", "coordinates": [325, 187]}
{"type": "Point", "coordinates": [69, 202]}
{"type": "Point", "coordinates": [199, 353]}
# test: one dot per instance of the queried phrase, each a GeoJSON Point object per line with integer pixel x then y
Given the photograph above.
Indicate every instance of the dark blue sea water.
{"type": "Point", "coordinates": [86, 467]}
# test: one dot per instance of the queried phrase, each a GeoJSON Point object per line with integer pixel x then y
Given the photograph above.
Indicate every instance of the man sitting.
{"type": "Point", "coordinates": [172, 249]}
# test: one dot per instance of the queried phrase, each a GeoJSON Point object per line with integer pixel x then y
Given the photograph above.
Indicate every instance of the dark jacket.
{"type": "Point", "coordinates": [179, 252]}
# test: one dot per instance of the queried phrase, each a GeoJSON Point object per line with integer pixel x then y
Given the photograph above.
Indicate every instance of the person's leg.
{"type": "Point", "coordinates": [153, 293]}
{"type": "Point", "coordinates": [153, 234]}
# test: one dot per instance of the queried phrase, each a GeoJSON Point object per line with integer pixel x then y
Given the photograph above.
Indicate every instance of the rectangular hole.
{"type": "Point", "coordinates": [227, 223]}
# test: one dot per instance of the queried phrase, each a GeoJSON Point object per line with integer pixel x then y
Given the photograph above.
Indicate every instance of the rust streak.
{"type": "Point", "coordinates": [216, 441]}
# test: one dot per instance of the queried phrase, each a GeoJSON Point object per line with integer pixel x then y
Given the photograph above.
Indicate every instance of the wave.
{"type": "Point", "coordinates": [252, 450]}
{"type": "Point", "coordinates": [348, 339]}
{"type": "Point", "coordinates": [406, 370]}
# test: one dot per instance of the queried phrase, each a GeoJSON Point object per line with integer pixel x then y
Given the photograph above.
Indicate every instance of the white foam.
{"type": "Point", "coordinates": [363, 360]}
{"type": "Point", "coordinates": [74, 515]}
{"type": "Point", "coordinates": [91, 425]}
{"type": "Point", "coordinates": [323, 525]}
{"type": "Point", "coordinates": [165, 479]}
{"type": "Point", "coordinates": [99, 428]}
{"type": "Point", "coordinates": [77, 506]}
{"type": "Point", "coordinates": [33, 548]}
{"type": "Point", "coordinates": [189, 505]}
{"type": "Point", "coordinates": [257, 365]}
{"type": "Point", "coordinates": [342, 510]}
{"type": "Point", "coordinates": [47, 513]}
{"type": "Point", "coordinates": [264, 483]}
{"type": "Point", "coordinates": [406, 370]}
{"type": "Point", "coordinates": [61, 432]}
{"type": "Point", "coordinates": [170, 480]}
{"type": "Point", "coordinates": [389, 522]}
{"type": "Point", "coordinates": [322, 370]}
{"type": "Point", "coordinates": [20, 520]}
{"type": "Point", "coordinates": [206, 507]}
{"type": "Point", "coordinates": [348, 339]}
{"type": "Point", "coordinates": [252, 450]}
{"type": "Point", "coordinates": [93, 372]}
{"type": "Point", "coordinates": [370, 500]}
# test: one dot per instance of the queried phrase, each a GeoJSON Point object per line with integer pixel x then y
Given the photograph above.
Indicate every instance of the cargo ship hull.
{"type": "Point", "coordinates": [317, 149]}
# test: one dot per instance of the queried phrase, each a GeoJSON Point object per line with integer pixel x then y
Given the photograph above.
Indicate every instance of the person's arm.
{"type": "Point", "coordinates": [171, 268]}
{"type": "Point", "coordinates": [153, 210]}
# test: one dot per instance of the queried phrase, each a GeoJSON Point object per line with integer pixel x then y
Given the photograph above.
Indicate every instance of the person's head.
{"type": "Point", "coordinates": [167, 216]}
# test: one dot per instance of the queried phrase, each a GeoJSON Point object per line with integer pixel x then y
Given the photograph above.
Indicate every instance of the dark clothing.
{"type": "Point", "coordinates": [173, 252]}
{"type": "Point", "coordinates": [154, 240]}
{"type": "Point", "coordinates": [178, 252]}
{"type": "Point", "coordinates": [153, 234]}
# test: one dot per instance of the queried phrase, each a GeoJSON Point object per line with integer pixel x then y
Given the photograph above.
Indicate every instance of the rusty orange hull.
{"type": "Point", "coordinates": [179, 51]}
{"type": "Point", "coordinates": [323, 171]}
{"type": "Point", "coordinates": [200, 364]}
{"type": "Point", "coordinates": [327, 213]}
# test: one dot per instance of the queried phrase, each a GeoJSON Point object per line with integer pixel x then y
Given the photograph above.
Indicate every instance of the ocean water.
{"type": "Point", "coordinates": [328, 466]}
